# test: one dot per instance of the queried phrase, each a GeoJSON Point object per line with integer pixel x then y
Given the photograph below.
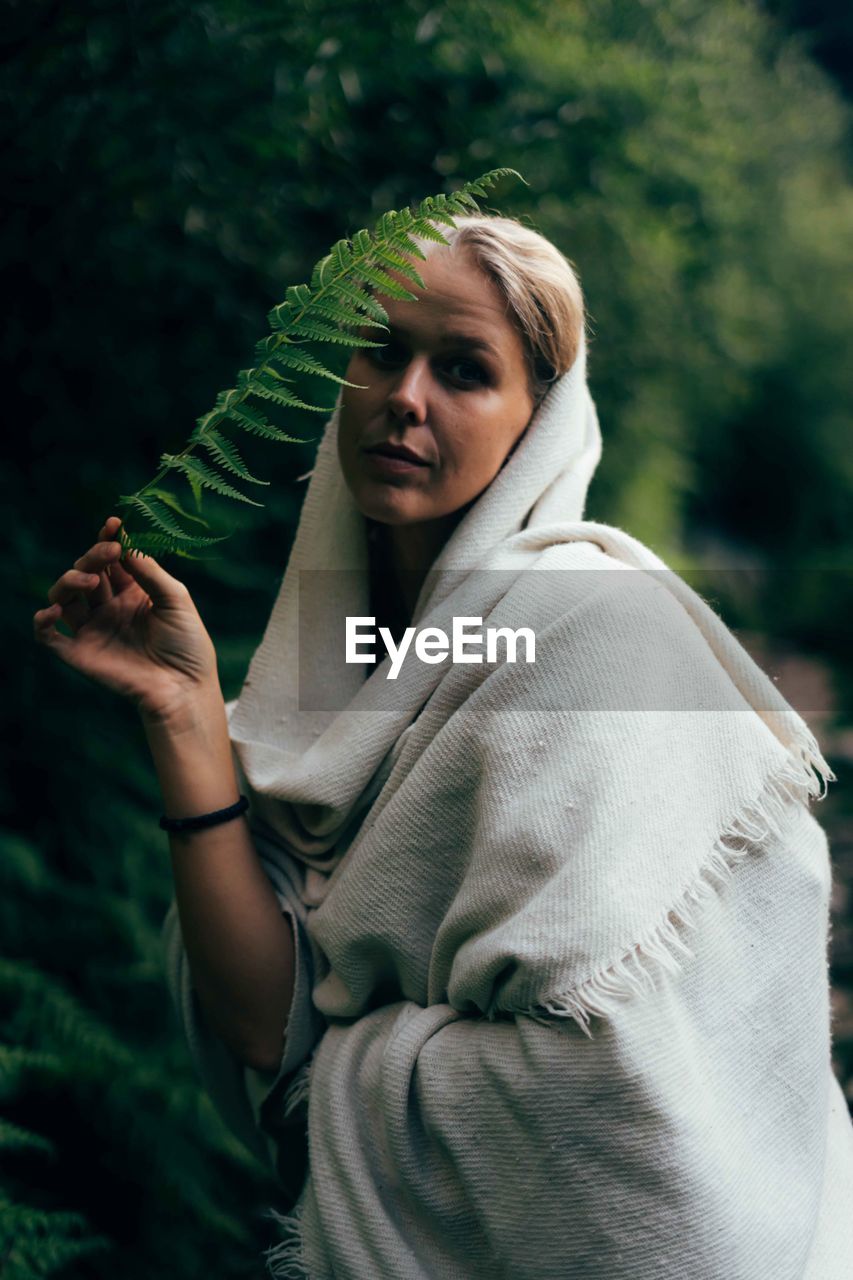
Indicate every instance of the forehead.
{"type": "Point", "coordinates": [459, 299]}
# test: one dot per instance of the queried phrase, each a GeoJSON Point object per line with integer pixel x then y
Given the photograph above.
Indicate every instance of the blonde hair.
{"type": "Point", "coordinates": [540, 285]}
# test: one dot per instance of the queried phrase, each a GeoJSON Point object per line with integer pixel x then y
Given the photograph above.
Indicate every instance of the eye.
{"type": "Point", "coordinates": [389, 353]}
{"type": "Point", "coordinates": [472, 371]}
{"type": "Point", "coordinates": [462, 370]}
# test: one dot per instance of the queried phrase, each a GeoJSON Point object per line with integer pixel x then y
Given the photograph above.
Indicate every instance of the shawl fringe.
{"type": "Point", "coordinates": [803, 776]}
{"type": "Point", "coordinates": [286, 1260]}
{"type": "Point", "coordinates": [297, 1091]}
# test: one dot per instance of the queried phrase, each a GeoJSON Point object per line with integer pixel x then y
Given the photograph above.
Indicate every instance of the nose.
{"type": "Point", "coordinates": [407, 400]}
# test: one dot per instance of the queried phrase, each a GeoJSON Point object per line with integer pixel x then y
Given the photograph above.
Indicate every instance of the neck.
{"type": "Point", "coordinates": [402, 555]}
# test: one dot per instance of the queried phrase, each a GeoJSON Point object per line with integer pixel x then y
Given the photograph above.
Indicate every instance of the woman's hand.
{"type": "Point", "coordinates": [135, 628]}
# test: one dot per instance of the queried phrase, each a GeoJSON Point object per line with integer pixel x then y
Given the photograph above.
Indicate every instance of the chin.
{"type": "Point", "coordinates": [387, 508]}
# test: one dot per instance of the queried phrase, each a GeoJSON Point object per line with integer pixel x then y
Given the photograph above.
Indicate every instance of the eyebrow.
{"type": "Point", "coordinates": [469, 340]}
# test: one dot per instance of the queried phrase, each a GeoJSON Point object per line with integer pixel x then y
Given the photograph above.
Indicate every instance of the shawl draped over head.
{"type": "Point", "coordinates": [562, 999]}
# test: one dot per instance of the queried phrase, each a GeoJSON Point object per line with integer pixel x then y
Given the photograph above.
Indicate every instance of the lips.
{"type": "Point", "coordinates": [398, 451]}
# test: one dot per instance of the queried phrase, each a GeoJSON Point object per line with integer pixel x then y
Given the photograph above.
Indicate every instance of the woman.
{"type": "Point", "coordinates": [536, 951]}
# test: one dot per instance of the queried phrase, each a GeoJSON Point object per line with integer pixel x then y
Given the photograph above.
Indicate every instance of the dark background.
{"type": "Point", "coordinates": [169, 170]}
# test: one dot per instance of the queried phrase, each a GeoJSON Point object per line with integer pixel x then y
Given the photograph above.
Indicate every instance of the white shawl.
{"type": "Point", "coordinates": [565, 922]}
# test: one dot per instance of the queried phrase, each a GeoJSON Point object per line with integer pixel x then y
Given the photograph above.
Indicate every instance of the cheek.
{"type": "Point", "coordinates": [350, 426]}
{"type": "Point", "coordinates": [347, 452]}
{"type": "Point", "coordinates": [477, 455]}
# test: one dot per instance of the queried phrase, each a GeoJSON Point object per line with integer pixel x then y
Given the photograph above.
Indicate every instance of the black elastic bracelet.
{"type": "Point", "coordinates": [205, 819]}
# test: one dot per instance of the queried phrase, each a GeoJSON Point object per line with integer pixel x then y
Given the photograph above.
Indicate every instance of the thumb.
{"type": "Point", "coordinates": [153, 578]}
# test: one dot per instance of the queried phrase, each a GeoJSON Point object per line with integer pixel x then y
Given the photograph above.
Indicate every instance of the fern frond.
{"type": "Point", "coordinates": [385, 284]}
{"type": "Point", "coordinates": [396, 261]}
{"type": "Point", "coordinates": [338, 302]}
{"type": "Point", "coordinates": [206, 477]}
{"type": "Point", "coordinates": [165, 543]}
{"type": "Point", "coordinates": [359, 297]}
{"type": "Point", "coordinates": [295, 357]}
{"type": "Point", "coordinates": [223, 451]}
{"type": "Point", "coordinates": [171, 501]}
{"type": "Point", "coordinates": [425, 229]}
{"type": "Point", "coordinates": [325, 333]}
{"type": "Point", "coordinates": [342, 254]}
{"type": "Point", "coordinates": [342, 312]}
{"type": "Point", "coordinates": [393, 227]}
{"type": "Point", "coordinates": [196, 491]}
{"type": "Point", "coordinates": [253, 421]}
{"type": "Point", "coordinates": [436, 209]}
{"type": "Point", "coordinates": [276, 392]}
{"type": "Point", "coordinates": [158, 514]}
{"type": "Point", "coordinates": [330, 307]}
{"type": "Point", "coordinates": [251, 382]}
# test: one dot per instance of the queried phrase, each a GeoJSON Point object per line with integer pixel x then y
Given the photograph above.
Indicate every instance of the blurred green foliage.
{"type": "Point", "coordinates": [170, 169]}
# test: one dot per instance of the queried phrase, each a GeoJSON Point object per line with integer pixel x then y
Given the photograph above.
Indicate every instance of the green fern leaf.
{"type": "Point", "coordinates": [225, 453]}
{"type": "Point", "coordinates": [390, 258]}
{"type": "Point", "coordinates": [408, 245]}
{"type": "Point", "coordinates": [344, 315]}
{"type": "Point", "coordinates": [171, 501]}
{"type": "Point", "coordinates": [293, 357]}
{"type": "Point", "coordinates": [253, 421]}
{"type": "Point", "coordinates": [359, 297]}
{"type": "Point", "coordinates": [163, 543]}
{"type": "Point", "coordinates": [270, 386]}
{"type": "Point", "coordinates": [213, 418]}
{"type": "Point", "coordinates": [322, 273]}
{"type": "Point", "coordinates": [299, 295]}
{"type": "Point", "coordinates": [324, 333]}
{"type": "Point", "coordinates": [206, 477]}
{"type": "Point", "coordinates": [385, 284]}
{"type": "Point", "coordinates": [283, 318]}
{"type": "Point", "coordinates": [361, 242]}
{"type": "Point", "coordinates": [468, 198]}
{"type": "Point", "coordinates": [433, 207]}
{"type": "Point", "coordinates": [250, 380]}
{"type": "Point", "coordinates": [393, 226]}
{"type": "Point", "coordinates": [427, 231]}
{"type": "Point", "coordinates": [157, 513]}
{"type": "Point", "coordinates": [341, 256]}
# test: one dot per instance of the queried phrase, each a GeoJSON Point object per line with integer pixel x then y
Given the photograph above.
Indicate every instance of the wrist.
{"type": "Point", "coordinates": [183, 711]}
{"type": "Point", "coordinates": [192, 756]}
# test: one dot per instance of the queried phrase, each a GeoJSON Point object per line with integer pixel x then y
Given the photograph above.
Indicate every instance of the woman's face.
{"type": "Point", "coordinates": [451, 385]}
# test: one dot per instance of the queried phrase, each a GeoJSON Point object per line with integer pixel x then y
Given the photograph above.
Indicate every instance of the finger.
{"type": "Point", "coordinates": [45, 632]}
{"type": "Point", "coordinates": [119, 578]}
{"type": "Point", "coordinates": [103, 591]}
{"type": "Point", "coordinates": [71, 585]}
{"type": "Point", "coordinates": [153, 578]}
{"type": "Point", "coordinates": [109, 528]}
{"type": "Point", "coordinates": [98, 557]}
{"type": "Point", "coordinates": [97, 560]}
{"type": "Point", "coordinates": [113, 579]}
{"type": "Point", "coordinates": [116, 576]}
